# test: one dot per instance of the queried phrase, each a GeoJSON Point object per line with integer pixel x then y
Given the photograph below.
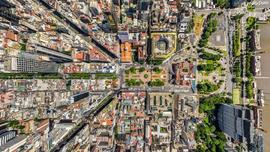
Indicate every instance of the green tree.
{"type": "Point", "coordinates": [222, 3]}
{"type": "Point", "coordinates": [156, 69]}
{"type": "Point", "coordinates": [141, 69]}
{"type": "Point", "coordinates": [13, 123]}
{"type": "Point", "coordinates": [208, 135]}
{"type": "Point", "coordinates": [132, 70]}
{"type": "Point", "coordinates": [208, 104]}
{"type": "Point", "coordinates": [210, 28]}
{"type": "Point", "coordinates": [133, 82]}
{"type": "Point", "coordinates": [145, 76]}
{"type": "Point", "coordinates": [207, 87]}
{"type": "Point", "coordinates": [208, 67]}
{"type": "Point", "coordinates": [251, 23]}
{"type": "Point", "coordinates": [156, 82]}
{"type": "Point", "coordinates": [209, 56]}
{"type": "Point", "coordinates": [250, 7]}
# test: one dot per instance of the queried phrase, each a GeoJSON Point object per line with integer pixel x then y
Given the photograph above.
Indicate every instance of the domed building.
{"type": "Point", "coordinates": [163, 45]}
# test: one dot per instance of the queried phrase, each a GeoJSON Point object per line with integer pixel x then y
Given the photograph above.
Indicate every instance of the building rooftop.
{"type": "Point", "coordinates": [163, 44]}
{"type": "Point", "coordinates": [237, 122]}
{"type": "Point", "coordinates": [15, 141]}
{"type": "Point", "coordinates": [126, 54]}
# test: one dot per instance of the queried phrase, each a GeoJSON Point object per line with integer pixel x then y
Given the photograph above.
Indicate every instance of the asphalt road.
{"type": "Point", "coordinates": [229, 33]}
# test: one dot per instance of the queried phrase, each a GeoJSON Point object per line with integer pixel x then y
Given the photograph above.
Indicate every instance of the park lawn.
{"type": "Point", "coordinates": [236, 40]}
{"type": "Point", "coordinates": [210, 62]}
{"type": "Point", "coordinates": [198, 24]}
{"type": "Point", "coordinates": [251, 102]}
{"type": "Point", "coordinates": [225, 53]}
{"type": "Point", "coordinates": [219, 70]}
{"type": "Point", "coordinates": [236, 96]}
{"type": "Point", "coordinates": [201, 61]}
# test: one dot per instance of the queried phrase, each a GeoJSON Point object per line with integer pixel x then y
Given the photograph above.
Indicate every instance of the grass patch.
{"type": "Point", "coordinates": [236, 41]}
{"type": "Point", "coordinates": [106, 76]}
{"type": "Point", "coordinates": [209, 56]}
{"type": "Point", "coordinates": [133, 82]}
{"type": "Point", "coordinates": [198, 24]}
{"type": "Point", "coordinates": [236, 96]}
{"type": "Point", "coordinates": [208, 67]}
{"type": "Point", "coordinates": [78, 76]}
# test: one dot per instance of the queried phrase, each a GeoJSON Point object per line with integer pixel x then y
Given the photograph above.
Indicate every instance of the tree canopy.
{"type": "Point", "coordinates": [222, 3]}
{"type": "Point", "coordinates": [210, 28]}
{"type": "Point", "coordinates": [208, 104]}
{"type": "Point", "coordinates": [207, 87]}
{"type": "Point", "coordinates": [209, 56]}
{"type": "Point", "coordinates": [208, 135]}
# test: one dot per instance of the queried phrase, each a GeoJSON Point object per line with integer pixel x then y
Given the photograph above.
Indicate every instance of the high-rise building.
{"type": "Point", "coordinates": [14, 143]}
{"type": "Point", "coordinates": [237, 122]}
{"type": "Point", "coordinates": [30, 63]}
{"type": "Point", "coordinates": [5, 134]}
{"type": "Point", "coordinates": [7, 11]}
{"type": "Point", "coordinates": [236, 3]}
{"type": "Point", "coordinates": [79, 96]}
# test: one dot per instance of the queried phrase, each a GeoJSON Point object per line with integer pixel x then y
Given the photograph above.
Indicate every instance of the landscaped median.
{"type": "Point", "coordinates": [78, 76]}
{"type": "Point", "coordinates": [88, 75]}
{"type": "Point", "coordinates": [249, 57]}
{"type": "Point", "coordinates": [105, 76]}
{"type": "Point", "coordinates": [30, 76]}
{"type": "Point", "coordinates": [56, 76]}
{"type": "Point", "coordinates": [198, 24]}
{"type": "Point", "coordinates": [237, 36]}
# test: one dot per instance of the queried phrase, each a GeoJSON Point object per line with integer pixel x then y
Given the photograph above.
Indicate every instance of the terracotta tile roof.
{"type": "Point", "coordinates": [108, 122]}
{"type": "Point", "coordinates": [12, 36]}
{"type": "Point", "coordinates": [96, 55]}
{"type": "Point", "coordinates": [126, 54]}
{"type": "Point", "coordinates": [80, 56]}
